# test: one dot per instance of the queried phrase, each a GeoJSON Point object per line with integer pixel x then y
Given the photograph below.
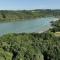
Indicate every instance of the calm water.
{"type": "Point", "coordinates": [27, 26]}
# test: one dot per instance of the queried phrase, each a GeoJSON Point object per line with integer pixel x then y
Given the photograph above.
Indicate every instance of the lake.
{"type": "Point", "coordinates": [28, 26]}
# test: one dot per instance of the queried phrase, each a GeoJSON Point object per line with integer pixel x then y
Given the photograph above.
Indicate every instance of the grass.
{"type": "Point", "coordinates": [57, 34]}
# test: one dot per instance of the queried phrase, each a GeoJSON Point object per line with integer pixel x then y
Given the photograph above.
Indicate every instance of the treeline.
{"type": "Point", "coordinates": [31, 46]}
{"type": "Point", "coordinates": [56, 26]}
{"type": "Point", "coordinates": [14, 15]}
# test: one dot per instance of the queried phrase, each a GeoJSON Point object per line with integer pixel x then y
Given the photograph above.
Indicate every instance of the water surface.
{"type": "Point", "coordinates": [27, 26]}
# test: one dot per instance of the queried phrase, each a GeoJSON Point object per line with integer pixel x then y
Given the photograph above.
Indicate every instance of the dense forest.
{"type": "Point", "coordinates": [31, 46]}
{"type": "Point", "coordinates": [14, 15]}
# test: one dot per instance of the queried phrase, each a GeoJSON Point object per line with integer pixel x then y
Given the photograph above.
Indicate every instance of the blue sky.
{"type": "Point", "coordinates": [29, 4]}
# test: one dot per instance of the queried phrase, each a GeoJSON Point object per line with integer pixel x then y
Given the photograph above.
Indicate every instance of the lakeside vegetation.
{"type": "Point", "coordinates": [31, 46]}
{"type": "Point", "coordinates": [14, 15]}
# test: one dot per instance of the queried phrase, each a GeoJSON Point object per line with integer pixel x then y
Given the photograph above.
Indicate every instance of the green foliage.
{"type": "Point", "coordinates": [5, 55]}
{"type": "Point", "coordinates": [56, 26]}
{"type": "Point", "coordinates": [10, 15]}
{"type": "Point", "coordinates": [21, 47]}
{"type": "Point", "coordinates": [34, 46]}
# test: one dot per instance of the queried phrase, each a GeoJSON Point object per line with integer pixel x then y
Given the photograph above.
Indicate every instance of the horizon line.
{"type": "Point", "coordinates": [31, 9]}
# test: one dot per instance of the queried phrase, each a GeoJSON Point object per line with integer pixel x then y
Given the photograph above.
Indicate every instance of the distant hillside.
{"type": "Point", "coordinates": [14, 15]}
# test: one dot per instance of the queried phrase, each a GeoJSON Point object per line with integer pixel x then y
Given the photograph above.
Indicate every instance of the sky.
{"type": "Point", "coordinates": [29, 4]}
